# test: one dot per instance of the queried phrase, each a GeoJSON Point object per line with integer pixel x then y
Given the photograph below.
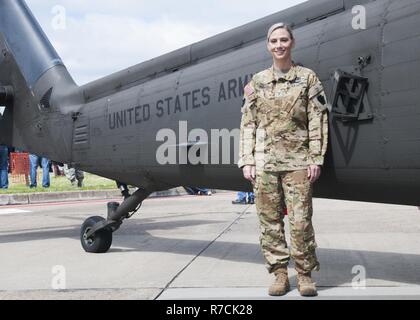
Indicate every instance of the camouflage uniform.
{"type": "Point", "coordinates": [284, 130]}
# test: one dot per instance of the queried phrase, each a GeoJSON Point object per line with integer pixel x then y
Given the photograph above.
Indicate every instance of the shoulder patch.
{"type": "Point", "coordinates": [321, 99]}
{"type": "Point", "coordinates": [320, 102]}
{"type": "Point", "coordinates": [315, 90]}
{"type": "Point", "coordinates": [249, 91]}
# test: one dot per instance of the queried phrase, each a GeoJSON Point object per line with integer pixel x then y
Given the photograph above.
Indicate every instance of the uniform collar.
{"type": "Point", "coordinates": [290, 76]}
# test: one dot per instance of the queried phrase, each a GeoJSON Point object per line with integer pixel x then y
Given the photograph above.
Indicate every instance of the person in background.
{"type": "Point", "coordinates": [4, 167]}
{"type": "Point", "coordinates": [58, 169]}
{"type": "Point", "coordinates": [74, 175]}
{"type": "Point", "coordinates": [34, 162]}
{"type": "Point", "coordinates": [194, 191]}
{"type": "Point", "coordinates": [244, 198]}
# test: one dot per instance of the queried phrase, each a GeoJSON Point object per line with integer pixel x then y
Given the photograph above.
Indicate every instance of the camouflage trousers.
{"type": "Point", "coordinates": [274, 190]}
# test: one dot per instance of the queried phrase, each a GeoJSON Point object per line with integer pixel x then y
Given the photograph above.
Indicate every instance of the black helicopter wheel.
{"type": "Point", "coordinates": [100, 241]}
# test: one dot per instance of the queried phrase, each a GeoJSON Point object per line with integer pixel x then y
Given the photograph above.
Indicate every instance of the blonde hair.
{"type": "Point", "coordinates": [280, 25]}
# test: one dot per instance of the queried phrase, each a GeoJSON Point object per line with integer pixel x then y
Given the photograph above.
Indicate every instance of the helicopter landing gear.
{"type": "Point", "coordinates": [96, 232]}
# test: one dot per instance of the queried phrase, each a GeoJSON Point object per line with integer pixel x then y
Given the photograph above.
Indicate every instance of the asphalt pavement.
{"type": "Point", "coordinates": [200, 247]}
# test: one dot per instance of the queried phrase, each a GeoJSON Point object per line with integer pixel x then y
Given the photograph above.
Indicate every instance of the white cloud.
{"type": "Point", "coordinates": [102, 37]}
{"type": "Point", "coordinates": [105, 48]}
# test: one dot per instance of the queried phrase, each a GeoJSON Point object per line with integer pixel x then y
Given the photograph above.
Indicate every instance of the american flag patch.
{"type": "Point", "coordinates": [249, 91]}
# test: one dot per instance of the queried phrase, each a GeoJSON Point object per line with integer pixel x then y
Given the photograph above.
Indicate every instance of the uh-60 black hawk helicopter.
{"type": "Point", "coordinates": [174, 120]}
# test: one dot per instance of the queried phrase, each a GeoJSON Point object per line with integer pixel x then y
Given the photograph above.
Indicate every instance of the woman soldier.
{"type": "Point", "coordinates": [284, 136]}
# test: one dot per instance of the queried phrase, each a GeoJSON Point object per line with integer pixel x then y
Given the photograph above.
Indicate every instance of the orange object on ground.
{"type": "Point", "coordinates": [19, 167]}
{"type": "Point", "coordinates": [19, 163]}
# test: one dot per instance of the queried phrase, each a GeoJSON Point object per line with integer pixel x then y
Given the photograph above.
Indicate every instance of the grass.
{"type": "Point", "coordinates": [59, 184]}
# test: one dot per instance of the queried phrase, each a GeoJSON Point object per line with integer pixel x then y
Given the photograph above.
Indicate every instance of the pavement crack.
{"type": "Point", "coordinates": [228, 228]}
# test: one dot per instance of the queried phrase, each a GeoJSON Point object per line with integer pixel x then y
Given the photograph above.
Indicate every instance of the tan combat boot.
{"type": "Point", "coordinates": [281, 285]}
{"type": "Point", "coordinates": [305, 285]}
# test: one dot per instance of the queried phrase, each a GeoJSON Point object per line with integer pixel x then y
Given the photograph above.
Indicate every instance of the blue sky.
{"type": "Point", "coordinates": [103, 36]}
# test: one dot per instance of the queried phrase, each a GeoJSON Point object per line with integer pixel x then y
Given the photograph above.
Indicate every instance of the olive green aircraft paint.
{"type": "Point", "coordinates": [110, 126]}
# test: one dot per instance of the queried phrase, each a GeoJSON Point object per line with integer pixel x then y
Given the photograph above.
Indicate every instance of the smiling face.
{"type": "Point", "coordinates": [280, 45]}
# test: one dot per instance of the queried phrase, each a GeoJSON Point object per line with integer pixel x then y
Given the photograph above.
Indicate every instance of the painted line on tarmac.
{"type": "Point", "coordinates": [12, 211]}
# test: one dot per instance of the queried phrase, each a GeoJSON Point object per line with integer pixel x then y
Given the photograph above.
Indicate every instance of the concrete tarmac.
{"type": "Point", "coordinates": [199, 247]}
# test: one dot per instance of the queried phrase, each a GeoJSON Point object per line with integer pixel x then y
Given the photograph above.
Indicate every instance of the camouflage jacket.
{"type": "Point", "coordinates": [284, 121]}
